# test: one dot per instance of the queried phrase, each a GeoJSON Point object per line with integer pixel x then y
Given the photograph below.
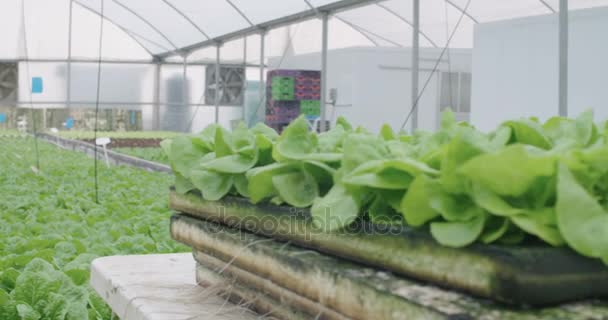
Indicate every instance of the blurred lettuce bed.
{"type": "Point", "coordinates": [150, 154]}
{"type": "Point", "coordinates": [52, 228]}
{"type": "Point", "coordinates": [117, 134]}
{"type": "Point", "coordinates": [9, 132]}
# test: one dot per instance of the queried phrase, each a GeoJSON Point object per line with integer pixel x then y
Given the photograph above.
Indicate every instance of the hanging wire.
{"type": "Point", "coordinates": [97, 99]}
{"type": "Point", "coordinates": [29, 83]}
{"type": "Point", "coordinates": [428, 80]}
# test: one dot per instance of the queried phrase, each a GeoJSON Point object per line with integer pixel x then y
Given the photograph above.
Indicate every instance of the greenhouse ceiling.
{"type": "Point", "coordinates": [149, 29]}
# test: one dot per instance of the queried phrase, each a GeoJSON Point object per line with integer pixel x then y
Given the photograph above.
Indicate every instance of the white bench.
{"type": "Point", "coordinates": [158, 287]}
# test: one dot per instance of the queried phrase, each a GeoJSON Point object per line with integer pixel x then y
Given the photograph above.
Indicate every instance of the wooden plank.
{"type": "Point", "coordinates": [159, 287]}
{"type": "Point", "coordinates": [350, 289]}
{"type": "Point", "coordinates": [531, 275]}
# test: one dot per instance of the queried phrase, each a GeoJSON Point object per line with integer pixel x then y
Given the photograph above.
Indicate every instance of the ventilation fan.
{"type": "Point", "coordinates": [8, 82]}
{"type": "Point", "coordinates": [230, 87]}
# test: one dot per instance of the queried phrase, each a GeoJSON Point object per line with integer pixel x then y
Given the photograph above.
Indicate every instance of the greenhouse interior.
{"type": "Point", "coordinates": [303, 159]}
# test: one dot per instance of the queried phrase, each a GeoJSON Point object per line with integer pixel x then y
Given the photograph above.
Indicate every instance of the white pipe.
{"type": "Point", "coordinates": [415, 62]}
{"type": "Point", "coordinates": [324, 45]}
{"type": "Point", "coordinates": [563, 58]}
{"type": "Point", "coordinates": [217, 83]}
{"type": "Point", "coordinates": [261, 113]}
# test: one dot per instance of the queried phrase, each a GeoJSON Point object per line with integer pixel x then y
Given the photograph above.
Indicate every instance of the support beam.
{"type": "Point", "coordinates": [261, 110]}
{"type": "Point", "coordinates": [330, 8]}
{"type": "Point", "coordinates": [415, 62]}
{"type": "Point", "coordinates": [563, 58]}
{"type": "Point", "coordinates": [185, 99]}
{"type": "Point", "coordinates": [156, 110]}
{"type": "Point", "coordinates": [324, 45]}
{"type": "Point", "coordinates": [244, 92]}
{"type": "Point", "coordinates": [68, 92]}
{"type": "Point", "coordinates": [112, 61]}
{"type": "Point", "coordinates": [217, 83]}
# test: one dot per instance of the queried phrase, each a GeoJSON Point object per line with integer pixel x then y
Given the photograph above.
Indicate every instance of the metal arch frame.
{"type": "Point", "coordinates": [148, 23]}
{"type": "Point", "coordinates": [365, 32]}
{"type": "Point", "coordinates": [546, 4]}
{"type": "Point", "coordinates": [338, 7]}
{"type": "Point", "coordinates": [240, 12]}
{"type": "Point", "coordinates": [457, 7]}
{"type": "Point", "coordinates": [129, 33]}
{"type": "Point", "coordinates": [333, 7]}
{"type": "Point", "coordinates": [402, 18]}
{"type": "Point", "coordinates": [353, 26]}
{"type": "Point", "coordinates": [181, 13]}
{"type": "Point", "coordinates": [468, 15]}
{"type": "Point", "coordinates": [137, 35]}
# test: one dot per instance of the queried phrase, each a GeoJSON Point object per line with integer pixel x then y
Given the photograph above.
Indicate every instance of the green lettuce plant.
{"type": "Point", "coordinates": [526, 179]}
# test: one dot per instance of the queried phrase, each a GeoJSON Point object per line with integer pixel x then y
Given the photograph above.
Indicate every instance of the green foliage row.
{"type": "Point", "coordinates": [526, 179]}
{"type": "Point", "coordinates": [150, 154]}
{"type": "Point", "coordinates": [9, 132]}
{"type": "Point", "coordinates": [117, 134]}
{"type": "Point", "coordinates": [52, 228]}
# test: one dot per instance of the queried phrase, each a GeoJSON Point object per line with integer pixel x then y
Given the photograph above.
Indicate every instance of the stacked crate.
{"type": "Point", "coordinates": [290, 93]}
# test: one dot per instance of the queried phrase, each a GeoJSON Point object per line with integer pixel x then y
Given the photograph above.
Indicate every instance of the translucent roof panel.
{"type": "Point", "coordinates": [130, 20]}
{"type": "Point", "coordinates": [338, 27]}
{"type": "Point", "coordinates": [214, 18]}
{"type": "Point", "coordinates": [263, 11]}
{"type": "Point", "coordinates": [117, 43]}
{"type": "Point", "coordinates": [166, 19]}
{"type": "Point", "coordinates": [385, 28]}
{"type": "Point", "coordinates": [46, 28]}
{"type": "Point", "coordinates": [139, 29]}
{"type": "Point", "coordinates": [11, 29]}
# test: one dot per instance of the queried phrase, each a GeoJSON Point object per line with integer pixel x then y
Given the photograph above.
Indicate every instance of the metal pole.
{"type": "Point", "coordinates": [563, 58]}
{"type": "Point", "coordinates": [325, 19]}
{"type": "Point", "coordinates": [261, 113]}
{"type": "Point", "coordinates": [156, 110]}
{"type": "Point", "coordinates": [217, 84]}
{"type": "Point", "coordinates": [69, 65]}
{"type": "Point", "coordinates": [415, 62]}
{"type": "Point", "coordinates": [185, 100]}
{"type": "Point", "coordinates": [43, 118]}
{"type": "Point", "coordinates": [244, 95]}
